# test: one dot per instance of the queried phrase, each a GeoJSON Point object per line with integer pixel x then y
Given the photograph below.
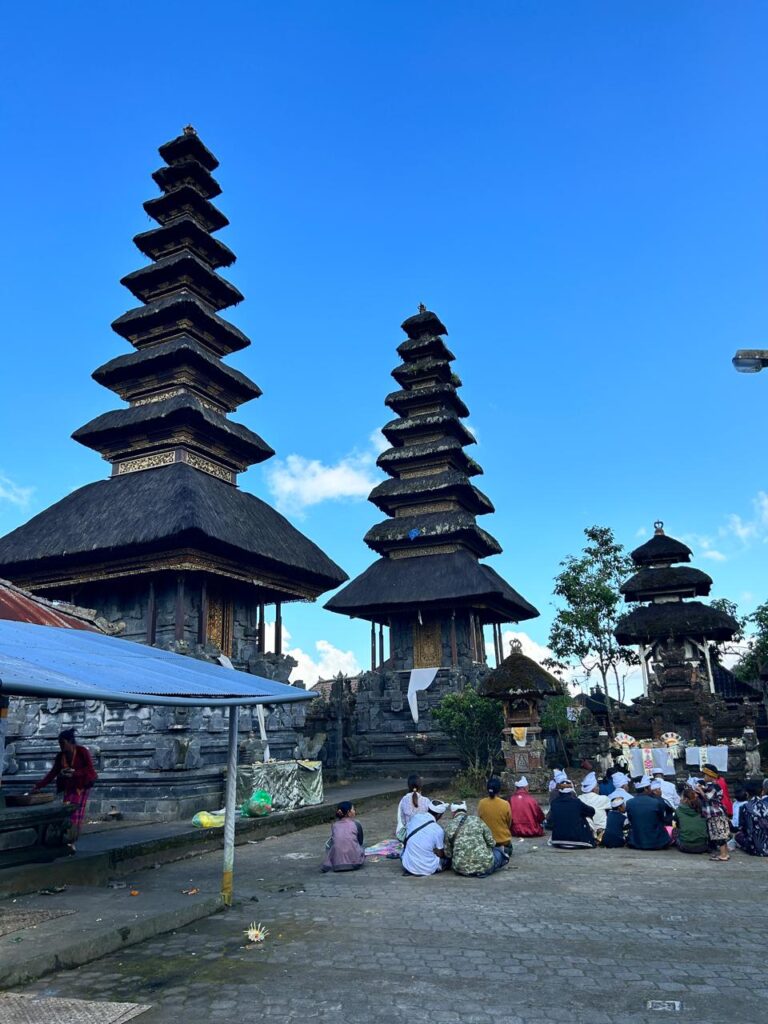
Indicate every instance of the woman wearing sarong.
{"type": "Point", "coordinates": [346, 847]}
{"type": "Point", "coordinates": [718, 825]}
{"type": "Point", "coordinates": [75, 775]}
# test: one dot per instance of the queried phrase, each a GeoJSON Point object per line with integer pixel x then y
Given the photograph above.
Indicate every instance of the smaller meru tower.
{"type": "Point", "coordinates": [429, 587]}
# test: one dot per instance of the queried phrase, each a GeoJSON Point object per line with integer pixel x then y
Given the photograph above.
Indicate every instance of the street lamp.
{"type": "Point", "coordinates": [750, 360]}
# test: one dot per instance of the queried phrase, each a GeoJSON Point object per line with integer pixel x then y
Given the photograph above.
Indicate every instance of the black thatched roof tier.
{"type": "Point", "coordinates": [675, 619]}
{"type": "Point", "coordinates": [142, 372]}
{"type": "Point", "coordinates": [681, 581]}
{"type": "Point", "coordinates": [185, 202]}
{"type": "Point", "coordinates": [432, 581]}
{"type": "Point", "coordinates": [424, 322]}
{"type": "Point", "coordinates": [661, 550]}
{"type": "Point", "coordinates": [390, 495]}
{"type": "Point", "coordinates": [190, 173]}
{"type": "Point", "coordinates": [183, 313]}
{"type": "Point", "coordinates": [411, 456]}
{"type": "Point", "coordinates": [427, 367]}
{"type": "Point", "coordinates": [442, 422]}
{"type": "Point", "coordinates": [184, 234]}
{"type": "Point", "coordinates": [427, 528]}
{"type": "Point", "coordinates": [443, 395]}
{"type": "Point", "coordinates": [427, 345]}
{"type": "Point", "coordinates": [141, 427]}
{"type": "Point", "coordinates": [182, 272]}
{"type": "Point", "coordinates": [159, 510]}
{"type": "Point", "coordinates": [188, 146]}
{"type": "Point", "coordinates": [517, 676]}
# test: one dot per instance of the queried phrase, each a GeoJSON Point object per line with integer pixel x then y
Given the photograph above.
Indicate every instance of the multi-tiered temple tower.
{"type": "Point", "coordinates": [169, 545]}
{"type": "Point", "coordinates": [429, 588]}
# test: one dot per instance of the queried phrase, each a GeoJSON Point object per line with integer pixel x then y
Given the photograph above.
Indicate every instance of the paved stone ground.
{"type": "Point", "coordinates": [588, 937]}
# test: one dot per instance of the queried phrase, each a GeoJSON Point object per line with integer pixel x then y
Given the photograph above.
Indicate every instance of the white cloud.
{"type": "Point", "coordinates": [14, 493]}
{"type": "Point", "coordinates": [714, 555]}
{"type": "Point", "coordinates": [703, 547]}
{"type": "Point", "coordinates": [326, 664]}
{"type": "Point", "coordinates": [641, 531]}
{"type": "Point", "coordinates": [379, 443]}
{"type": "Point", "coordinates": [753, 528]}
{"type": "Point", "coordinates": [297, 482]}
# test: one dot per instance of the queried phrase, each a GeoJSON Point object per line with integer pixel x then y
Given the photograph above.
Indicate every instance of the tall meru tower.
{"type": "Point", "coordinates": [169, 545]}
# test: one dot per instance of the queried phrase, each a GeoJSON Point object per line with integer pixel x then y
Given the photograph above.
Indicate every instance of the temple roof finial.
{"type": "Point", "coordinates": [422, 308]}
{"type": "Point", "coordinates": [658, 528]}
{"type": "Point", "coordinates": [190, 129]}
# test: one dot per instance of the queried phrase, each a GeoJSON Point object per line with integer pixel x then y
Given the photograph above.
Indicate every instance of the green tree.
{"type": "Point", "coordinates": [475, 724]}
{"type": "Point", "coordinates": [560, 715]}
{"type": "Point", "coordinates": [584, 626]}
{"type": "Point", "coordinates": [755, 658]}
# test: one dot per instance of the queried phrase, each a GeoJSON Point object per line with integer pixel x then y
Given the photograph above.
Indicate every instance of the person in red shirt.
{"type": "Point", "coordinates": [75, 775]}
{"type": "Point", "coordinates": [711, 774]}
{"type": "Point", "coordinates": [527, 815]}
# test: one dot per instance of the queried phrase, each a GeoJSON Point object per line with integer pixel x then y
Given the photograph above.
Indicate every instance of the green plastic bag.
{"type": "Point", "coordinates": [258, 805]}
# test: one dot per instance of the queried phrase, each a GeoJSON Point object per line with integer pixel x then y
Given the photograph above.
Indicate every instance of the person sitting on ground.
{"type": "Point", "coordinates": [742, 799]}
{"type": "Point", "coordinates": [711, 774]}
{"type": "Point", "coordinates": [601, 804]}
{"type": "Point", "coordinates": [616, 826]}
{"type": "Point", "coordinates": [655, 790]}
{"type": "Point", "coordinates": [621, 782]}
{"type": "Point", "coordinates": [568, 820]}
{"type": "Point", "coordinates": [495, 813]}
{"type": "Point", "coordinates": [668, 789]}
{"type": "Point", "coordinates": [718, 822]}
{"type": "Point", "coordinates": [752, 836]}
{"type": "Point", "coordinates": [470, 846]}
{"type": "Point", "coordinates": [424, 845]}
{"type": "Point", "coordinates": [346, 847]}
{"type": "Point", "coordinates": [525, 812]}
{"type": "Point", "coordinates": [647, 816]}
{"type": "Point", "coordinates": [691, 829]}
{"type": "Point", "coordinates": [412, 803]}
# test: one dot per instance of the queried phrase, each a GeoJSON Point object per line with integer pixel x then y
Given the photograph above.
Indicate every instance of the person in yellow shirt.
{"type": "Point", "coordinates": [496, 814]}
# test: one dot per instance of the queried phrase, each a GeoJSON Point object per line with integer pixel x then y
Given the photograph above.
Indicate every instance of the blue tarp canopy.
{"type": "Point", "coordinates": [47, 661]}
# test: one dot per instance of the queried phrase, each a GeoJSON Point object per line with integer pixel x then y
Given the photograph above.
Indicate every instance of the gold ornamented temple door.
{"type": "Point", "coordinates": [220, 622]}
{"type": "Point", "coordinates": [427, 645]}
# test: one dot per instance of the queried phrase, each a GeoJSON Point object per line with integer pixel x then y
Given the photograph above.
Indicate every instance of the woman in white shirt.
{"type": "Point", "coordinates": [412, 803]}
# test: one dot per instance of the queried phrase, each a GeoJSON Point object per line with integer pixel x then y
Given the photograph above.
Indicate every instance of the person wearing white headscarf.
{"type": "Point", "coordinates": [668, 790]}
{"type": "Point", "coordinates": [527, 815]}
{"type": "Point", "coordinates": [423, 851]}
{"type": "Point", "coordinates": [601, 804]}
{"type": "Point", "coordinates": [558, 778]}
{"type": "Point", "coordinates": [621, 782]}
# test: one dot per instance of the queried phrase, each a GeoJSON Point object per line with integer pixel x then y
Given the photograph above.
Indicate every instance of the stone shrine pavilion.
{"type": "Point", "coordinates": [429, 589]}
{"type": "Point", "coordinates": [169, 546]}
{"type": "Point", "coordinates": [674, 633]}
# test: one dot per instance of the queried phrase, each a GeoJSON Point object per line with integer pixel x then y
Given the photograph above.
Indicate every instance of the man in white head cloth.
{"type": "Point", "coordinates": [621, 782]}
{"type": "Point", "coordinates": [668, 789]}
{"type": "Point", "coordinates": [591, 797]}
{"type": "Point", "coordinates": [423, 850]}
{"type": "Point", "coordinates": [527, 815]}
{"type": "Point", "coordinates": [558, 778]}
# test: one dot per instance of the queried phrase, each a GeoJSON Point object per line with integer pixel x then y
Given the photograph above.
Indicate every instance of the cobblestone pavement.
{"type": "Point", "coordinates": [588, 937]}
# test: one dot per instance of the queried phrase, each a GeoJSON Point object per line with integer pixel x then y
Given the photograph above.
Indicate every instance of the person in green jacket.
{"type": "Point", "coordinates": [691, 826]}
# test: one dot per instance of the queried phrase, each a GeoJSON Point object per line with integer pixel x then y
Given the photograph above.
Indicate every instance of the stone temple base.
{"type": "Point", "coordinates": [29, 834]}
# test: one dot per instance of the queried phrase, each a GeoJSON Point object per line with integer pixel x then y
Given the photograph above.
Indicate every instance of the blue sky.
{"type": "Point", "coordinates": [579, 190]}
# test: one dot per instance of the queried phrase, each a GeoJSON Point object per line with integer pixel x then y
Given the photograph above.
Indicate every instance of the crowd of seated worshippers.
{"type": "Point", "coordinates": [650, 813]}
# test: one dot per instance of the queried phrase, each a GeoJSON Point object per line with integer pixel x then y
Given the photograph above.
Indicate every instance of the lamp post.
{"type": "Point", "coordinates": [750, 360]}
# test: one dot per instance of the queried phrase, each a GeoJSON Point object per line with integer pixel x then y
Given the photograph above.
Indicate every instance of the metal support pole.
{"type": "Point", "coordinates": [260, 632]}
{"type": "Point", "coordinates": [229, 809]}
{"type": "Point", "coordinates": [381, 643]}
{"type": "Point", "coordinates": [278, 628]}
{"type": "Point", "coordinates": [373, 647]}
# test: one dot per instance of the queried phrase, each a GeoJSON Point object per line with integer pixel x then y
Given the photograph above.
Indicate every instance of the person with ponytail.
{"type": "Point", "coordinates": [345, 850]}
{"type": "Point", "coordinates": [413, 803]}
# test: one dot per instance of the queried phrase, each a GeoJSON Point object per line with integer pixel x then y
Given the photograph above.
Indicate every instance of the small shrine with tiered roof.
{"type": "Point", "coordinates": [676, 635]}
